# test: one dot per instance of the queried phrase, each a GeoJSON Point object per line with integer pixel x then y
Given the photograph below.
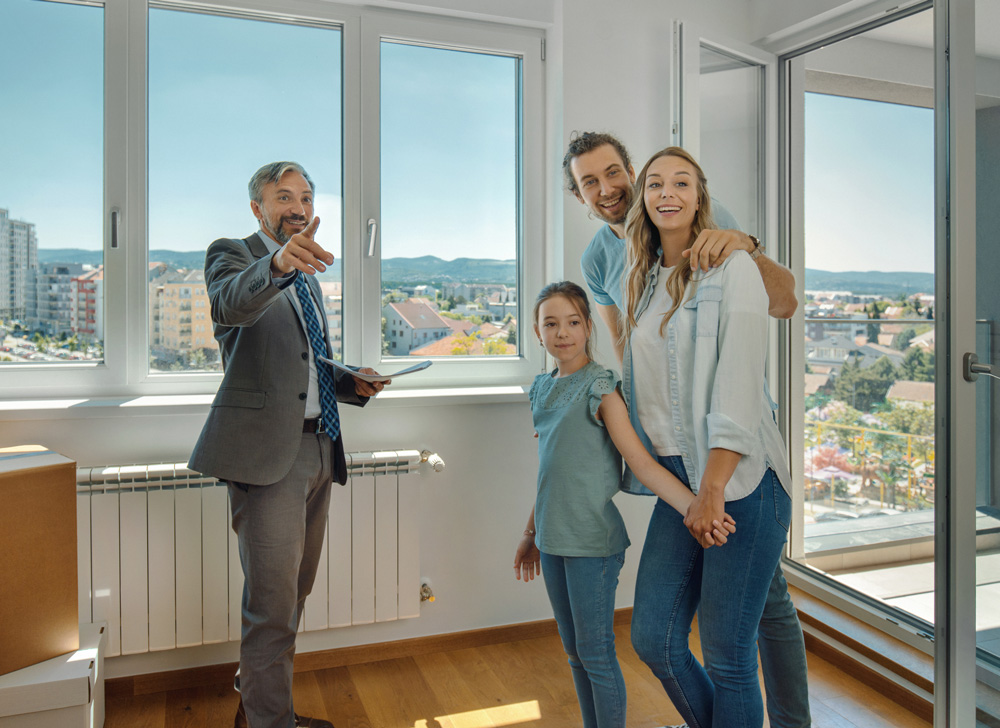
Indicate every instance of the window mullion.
{"type": "Point", "coordinates": [116, 194]}
{"type": "Point", "coordinates": [358, 129]}
{"type": "Point", "coordinates": [137, 322]}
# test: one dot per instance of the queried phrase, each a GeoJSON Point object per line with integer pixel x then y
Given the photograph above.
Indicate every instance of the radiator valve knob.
{"type": "Point", "coordinates": [426, 595]}
{"type": "Point", "coordinates": [432, 459]}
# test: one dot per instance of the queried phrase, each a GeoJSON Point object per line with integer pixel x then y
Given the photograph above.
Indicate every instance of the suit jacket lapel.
{"type": "Point", "coordinates": [256, 245]}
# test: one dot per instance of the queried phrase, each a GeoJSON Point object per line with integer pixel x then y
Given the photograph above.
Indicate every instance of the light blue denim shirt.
{"type": "Point", "coordinates": [717, 344]}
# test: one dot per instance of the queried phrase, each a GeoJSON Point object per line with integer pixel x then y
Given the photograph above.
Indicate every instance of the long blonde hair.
{"type": "Point", "coordinates": [642, 243]}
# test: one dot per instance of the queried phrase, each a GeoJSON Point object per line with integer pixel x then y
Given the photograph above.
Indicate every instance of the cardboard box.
{"type": "Point", "coordinates": [39, 614]}
{"type": "Point", "coordinates": [66, 691]}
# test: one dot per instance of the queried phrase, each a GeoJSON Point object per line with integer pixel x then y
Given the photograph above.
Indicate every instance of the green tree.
{"type": "Point", "coordinates": [913, 418]}
{"type": "Point", "coordinates": [463, 344]}
{"type": "Point", "coordinates": [197, 359]}
{"type": "Point", "coordinates": [512, 335]}
{"type": "Point", "coordinates": [494, 347]}
{"type": "Point", "coordinates": [918, 365]}
{"type": "Point", "coordinates": [874, 329]}
{"type": "Point", "coordinates": [863, 389]}
{"type": "Point", "coordinates": [904, 339]}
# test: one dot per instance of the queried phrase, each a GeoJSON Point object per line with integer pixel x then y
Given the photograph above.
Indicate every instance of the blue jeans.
{"type": "Point", "coordinates": [582, 592]}
{"type": "Point", "coordinates": [731, 585]}
{"type": "Point", "coordinates": [783, 658]}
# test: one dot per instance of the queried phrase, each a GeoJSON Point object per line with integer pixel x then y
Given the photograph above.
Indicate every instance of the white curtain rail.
{"type": "Point", "coordinates": [172, 475]}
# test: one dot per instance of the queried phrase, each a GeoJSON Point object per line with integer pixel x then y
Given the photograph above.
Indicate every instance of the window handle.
{"type": "Point", "coordinates": [972, 368]}
{"type": "Point", "coordinates": [372, 233]}
{"type": "Point", "coordinates": [116, 216]}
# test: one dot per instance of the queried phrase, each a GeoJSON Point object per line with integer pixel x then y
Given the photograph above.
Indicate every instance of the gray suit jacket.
{"type": "Point", "coordinates": [254, 429]}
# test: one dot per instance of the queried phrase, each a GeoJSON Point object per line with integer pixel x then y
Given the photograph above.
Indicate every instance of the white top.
{"type": "Point", "coordinates": [716, 347]}
{"type": "Point", "coordinates": [649, 352]}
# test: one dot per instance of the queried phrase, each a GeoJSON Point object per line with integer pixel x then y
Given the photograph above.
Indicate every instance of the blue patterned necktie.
{"type": "Point", "coordinates": [324, 372]}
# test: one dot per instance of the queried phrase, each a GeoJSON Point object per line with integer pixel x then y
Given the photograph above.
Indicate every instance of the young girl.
{"type": "Point", "coordinates": [575, 533]}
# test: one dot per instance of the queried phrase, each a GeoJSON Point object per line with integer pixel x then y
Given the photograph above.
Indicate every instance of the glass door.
{"type": "Point", "coordinates": [883, 116]}
{"type": "Point", "coordinates": [987, 350]}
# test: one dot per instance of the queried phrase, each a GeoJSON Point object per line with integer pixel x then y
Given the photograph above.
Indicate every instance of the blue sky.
{"type": "Point", "coordinates": [227, 95]}
{"type": "Point", "coordinates": [869, 187]}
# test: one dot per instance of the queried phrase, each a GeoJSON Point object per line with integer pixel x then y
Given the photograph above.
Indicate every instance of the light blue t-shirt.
{"type": "Point", "coordinates": [579, 468]}
{"type": "Point", "coordinates": [603, 262]}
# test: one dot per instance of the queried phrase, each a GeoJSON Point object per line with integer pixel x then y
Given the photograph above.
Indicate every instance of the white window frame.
{"type": "Point", "coordinates": [125, 369]}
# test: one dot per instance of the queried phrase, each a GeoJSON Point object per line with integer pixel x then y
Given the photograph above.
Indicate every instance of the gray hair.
{"type": "Point", "coordinates": [270, 174]}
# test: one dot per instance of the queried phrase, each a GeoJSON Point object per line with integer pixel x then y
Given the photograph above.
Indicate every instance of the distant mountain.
{"type": "Point", "coordinates": [426, 269]}
{"type": "Point", "coordinates": [885, 283]}
{"type": "Point", "coordinates": [70, 255]}
{"type": "Point", "coordinates": [430, 269]}
{"type": "Point", "coordinates": [174, 258]}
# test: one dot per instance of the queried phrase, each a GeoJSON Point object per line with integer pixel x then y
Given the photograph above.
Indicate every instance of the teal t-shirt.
{"type": "Point", "coordinates": [579, 468]}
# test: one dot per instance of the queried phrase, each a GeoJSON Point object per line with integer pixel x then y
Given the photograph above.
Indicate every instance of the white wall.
{"type": "Point", "coordinates": [604, 72]}
{"type": "Point", "coordinates": [617, 79]}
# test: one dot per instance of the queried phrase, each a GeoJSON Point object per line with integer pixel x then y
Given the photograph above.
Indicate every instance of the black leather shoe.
{"type": "Point", "coordinates": [301, 721]}
{"type": "Point", "coordinates": [305, 722]}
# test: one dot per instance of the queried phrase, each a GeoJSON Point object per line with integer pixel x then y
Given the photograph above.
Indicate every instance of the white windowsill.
{"type": "Point", "coordinates": [89, 407]}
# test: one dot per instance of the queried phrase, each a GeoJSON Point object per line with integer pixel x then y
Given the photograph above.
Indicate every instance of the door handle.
{"type": "Point", "coordinates": [971, 368]}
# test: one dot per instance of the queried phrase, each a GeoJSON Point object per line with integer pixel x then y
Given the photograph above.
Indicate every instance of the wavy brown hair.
{"type": "Point", "coordinates": [642, 243]}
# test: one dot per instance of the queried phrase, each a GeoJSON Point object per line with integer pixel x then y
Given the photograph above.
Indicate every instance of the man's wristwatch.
{"type": "Point", "coordinates": [758, 247]}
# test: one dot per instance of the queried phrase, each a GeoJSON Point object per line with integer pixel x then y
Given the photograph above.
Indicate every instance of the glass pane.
{"type": "Point", "coordinates": [869, 307]}
{"type": "Point", "coordinates": [730, 99]}
{"type": "Point", "coordinates": [52, 188]}
{"type": "Point", "coordinates": [988, 350]}
{"type": "Point", "coordinates": [449, 201]}
{"type": "Point", "coordinates": [219, 109]}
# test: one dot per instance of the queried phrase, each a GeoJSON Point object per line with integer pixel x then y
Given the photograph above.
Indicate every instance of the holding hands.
{"type": "Point", "coordinates": [707, 519]}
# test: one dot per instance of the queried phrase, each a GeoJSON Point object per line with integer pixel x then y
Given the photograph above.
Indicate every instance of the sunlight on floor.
{"type": "Point", "coordinates": [500, 715]}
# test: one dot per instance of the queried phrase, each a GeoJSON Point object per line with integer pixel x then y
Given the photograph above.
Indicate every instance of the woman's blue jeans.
{"type": "Point", "coordinates": [728, 587]}
{"type": "Point", "coordinates": [582, 592]}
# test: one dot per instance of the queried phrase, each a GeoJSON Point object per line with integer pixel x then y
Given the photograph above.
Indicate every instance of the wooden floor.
{"type": "Point", "coordinates": [524, 683]}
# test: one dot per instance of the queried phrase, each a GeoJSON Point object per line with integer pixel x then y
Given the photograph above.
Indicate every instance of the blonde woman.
{"type": "Point", "coordinates": [694, 381]}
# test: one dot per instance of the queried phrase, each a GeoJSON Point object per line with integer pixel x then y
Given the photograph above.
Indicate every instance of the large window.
{"type": "Point", "coordinates": [218, 110]}
{"type": "Point", "coordinates": [449, 202]}
{"type": "Point", "coordinates": [51, 229]}
{"type": "Point", "coordinates": [423, 137]}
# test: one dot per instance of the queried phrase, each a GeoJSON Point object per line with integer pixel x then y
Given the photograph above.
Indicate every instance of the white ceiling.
{"type": "Point", "coordinates": [918, 30]}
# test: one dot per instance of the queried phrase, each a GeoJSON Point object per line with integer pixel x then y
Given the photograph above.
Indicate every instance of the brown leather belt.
{"type": "Point", "coordinates": [313, 425]}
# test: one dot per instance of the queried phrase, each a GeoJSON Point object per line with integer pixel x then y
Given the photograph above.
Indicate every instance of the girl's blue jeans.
{"type": "Point", "coordinates": [728, 587]}
{"type": "Point", "coordinates": [582, 592]}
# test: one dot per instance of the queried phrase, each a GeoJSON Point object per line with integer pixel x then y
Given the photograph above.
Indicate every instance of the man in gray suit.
{"type": "Point", "coordinates": [273, 432]}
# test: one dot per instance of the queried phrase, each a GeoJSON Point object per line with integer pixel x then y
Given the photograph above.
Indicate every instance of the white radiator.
{"type": "Point", "coordinates": [159, 562]}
